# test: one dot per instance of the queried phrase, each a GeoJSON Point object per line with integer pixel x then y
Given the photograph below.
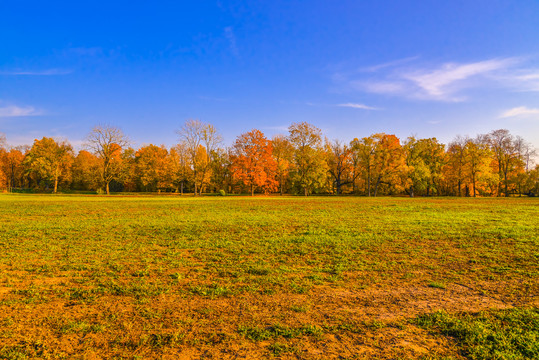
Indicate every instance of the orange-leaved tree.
{"type": "Point", "coordinates": [389, 161]}
{"type": "Point", "coordinates": [153, 167]}
{"type": "Point", "coordinates": [253, 163]}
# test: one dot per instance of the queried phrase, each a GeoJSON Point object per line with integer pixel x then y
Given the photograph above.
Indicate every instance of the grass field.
{"type": "Point", "coordinates": [231, 278]}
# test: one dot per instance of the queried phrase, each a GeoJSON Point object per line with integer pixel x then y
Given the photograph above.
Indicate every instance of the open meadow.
{"type": "Point", "coordinates": [136, 277]}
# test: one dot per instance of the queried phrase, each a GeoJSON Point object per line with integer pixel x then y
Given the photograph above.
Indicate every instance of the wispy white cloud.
{"type": "Point", "coordinates": [389, 64]}
{"type": "Point", "coordinates": [18, 111]}
{"type": "Point", "coordinates": [47, 72]}
{"type": "Point", "coordinates": [524, 80]}
{"type": "Point", "coordinates": [357, 106]}
{"type": "Point", "coordinates": [231, 37]}
{"type": "Point", "coordinates": [529, 76]}
{"type": "Point", "coordinates": [521, 111]}
{"type": "Point", "coordinates": [350, 105]}
{"type": "Point", "coordinates": [444, 82]}
{"type": "Point", "coordinates": [382, 87]}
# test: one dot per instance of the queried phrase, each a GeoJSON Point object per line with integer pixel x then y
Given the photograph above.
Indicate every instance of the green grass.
{"type": "Point", "coordinates": [152, 274]}
{"type": "Point", "coordinates": [503, 334]}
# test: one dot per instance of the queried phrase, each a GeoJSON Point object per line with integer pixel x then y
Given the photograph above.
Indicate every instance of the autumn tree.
{"type": "Point", "coordinates": [222, 178]}
{"type": "Point", "coordinates": [3, 155]}
{"type": "Point", "coordinates": [418, 170]}
{"type": "Point", "coordinates": [107, 143]}
{"type": "Point", "coordinates": [153, 167]}
{"type": "Point", "coordinates": [382, 160]}
{"type": "Point", "coordinates": [506, 155]}
{"type": "Point", "coordinates": [201, 141]}
{"type": "Point", "coordinates": [85, 171]}
{"type": "Point", "coordinates": [309, 165]}
{"type": "Point", "coordinates": [127, 180]}
{"type": "Point", "coordinates": [455, 167]}
{"type": "Point", "coordinates": [283, 153]}
{"type": "Point", "coordinates": [389, 161]}
{"type": "Point", "coordinates": [14, 168]}
{"type": "Point", "coordinates": [526, 153]}
{"type": "Point", "coordinates": [356, 161]}
{"type": "Point", "coordinates": [434, 156]}
{"type": "Point", "coordinates": [425, 159]}
{"type": "Point", "coordinates": [363, 155]}
{"type": "Point", "coordinates": [531, 185]}
{"type": "Point", "coordinates": [180, 166]}
{"type": "Point", "coordinates": [477, 157]}
{"type": "Point", "coordinates": [11, 165]}
{"type": "Point", "coordinates": [49, 160]}
{"type": "Point", "coordinates": [253, 162]}
{"type": "Point", "coordinates": [340, 166]}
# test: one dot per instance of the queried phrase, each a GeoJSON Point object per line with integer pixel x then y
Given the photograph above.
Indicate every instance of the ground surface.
{"type": "Point", "coordinates": [239, 278]}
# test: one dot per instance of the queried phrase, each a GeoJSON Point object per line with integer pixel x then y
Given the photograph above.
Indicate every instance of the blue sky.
{"type": "Point", "coordinates": [430, 68]}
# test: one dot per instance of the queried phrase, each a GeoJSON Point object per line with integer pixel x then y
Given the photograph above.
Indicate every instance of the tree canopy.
{"type": "Point", "coordinates": [299, 162]}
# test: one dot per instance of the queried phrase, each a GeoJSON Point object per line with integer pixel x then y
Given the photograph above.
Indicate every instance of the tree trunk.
{"type": "Point", "coordinates": [305, 191]}
{"type": "Point", "coordinates": [354, 181]}
{"type": "Point", "coordinates": [107, 188]}
{"type": "Point", "coordinates": [376, 186]}
{"type": "Point", "coordinates": [252, 190]}
{"type": "Point", "coordinates": [56, 179]}
{"type": "Point", "coordinates": [506, 192]}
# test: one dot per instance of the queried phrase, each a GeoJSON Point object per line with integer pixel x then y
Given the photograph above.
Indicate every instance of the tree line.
{"type": "Point", "coordinates": [302, 162]}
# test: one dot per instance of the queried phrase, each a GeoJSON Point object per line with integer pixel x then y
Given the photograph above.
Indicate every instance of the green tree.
{"type": "Point", "coordinates": [418, 171]}
{"type": "Point", "coordinates": [50, 160]}
{"type": "Point", "coordinates": [309, 165]}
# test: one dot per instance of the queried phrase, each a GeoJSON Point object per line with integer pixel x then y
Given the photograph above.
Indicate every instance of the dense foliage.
{"type": "Point", "coordinates": [304, 162]}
